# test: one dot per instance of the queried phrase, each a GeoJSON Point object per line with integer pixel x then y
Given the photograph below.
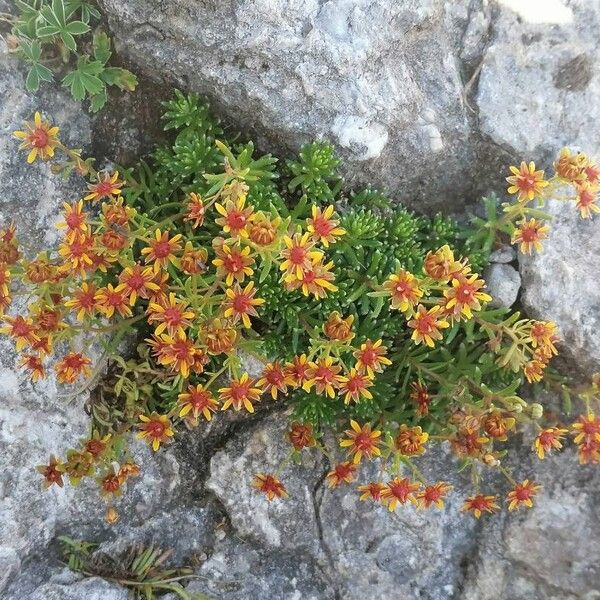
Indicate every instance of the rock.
{"type": "Point", "coordinates": [92, 588]}
{"type": "Point", "coordinates": [413, 94]}
{"type": "Point", "coordinates": [289, 72]}
{"type": "Point", "coordinates": [37, 419]}
{"type": "Point", "coordinates": [503, 254]}
{"type": "Point", "coordinates": [560, 283]}
{"type": "Point", "coordinates": [549, 551]}
{"type": "Point", "coordinates": [503, 283]}
{"type": "Point", "coordinates": [358, 546]}
{"type": "Point", "coordinates": [539, 89]}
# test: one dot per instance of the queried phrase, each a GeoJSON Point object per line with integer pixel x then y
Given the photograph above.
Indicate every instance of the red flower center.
{"type": "Point", "coordinates": [239, 391]}
{"type": "Point", "coordinates": [173, 316]}
{"type": "Point", "coordinates": [363, 441]}
{"type": "Point", "coordinates": [136, 282]}
{"type": "Point", "coordinates": [297, 255]}
{"type": "Point", "coordinates": [241, 303]}
{"type": "Point", "coordinates": [426, 324]}
{"type": "Point", "coordinates": [155, 429]}
{"type": "Point", "coordinates": [527, 182]}
{"type": "Point", "coordinates": [236, 220]}
{"type": "Point", "coordinates": [322, 226]}
{"type": "Point", "coordinates": [73, 220]}
{"type": "Point", "coordinates": [233, 263]}
{"type": "Point", "coordinates": [103, 188]}
{"type": "Point", "coordinates": [39, 138]}
{"type": "Point", "coordinates": [161, 249]}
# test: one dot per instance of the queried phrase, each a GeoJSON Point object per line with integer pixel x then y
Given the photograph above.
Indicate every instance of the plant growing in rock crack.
{"type": "Point", "coordinates": [359, 314]}
{"type": "Point", "coordinates": [55, 37]}
{"type": "Point", "coordinates": [141, 569]}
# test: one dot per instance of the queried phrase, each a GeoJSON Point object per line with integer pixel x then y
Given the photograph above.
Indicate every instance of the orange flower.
{"type": "Point", "coordinates": [235, 216]}
{"type": "Point", "coordinates": [362, 441]}
{"type": "Point", "coordinates": [171, 315]}
{"type": "Point", "coordinates": [547, 440]}
{"type": "Point", "coordinates": [316, 280]}
{"type": "Point", "coordinates": [354, 386]}
{"type": "Point", "coordinates": [522, 494]}
{"type": "Point", "coordinates": [127, 470]}
{"type": "Point", "coordinates": [592, 171]}
{"type": "Point", "coordinates": [47, 320]}
{"type": "Point", "coordinates": [526, 182]}
{"type": "Point", "coordinates": [274, 379]}
{"type": "Point", "coordinates": [323, 374]}
{"type": "Point", "coordinates": [433, 495]}
{"type": "Point", "coordinates": [155, 429]}
{"type": "Point", "coordinates": [116, 214]}
{"type": "Point", "coordinates": [193, 260]}
{"type": "Point", "coordinates": [162, 250]}
{"type": "Point", "coordinates": [75, 218]}
{"type": "Point", "coordinates": [299, 254]}
{"type": "Point", "coordinates": [33, 363]}
{"type": "Point", "coordinates": [341, 473]}
{"type": "Point", "coordinates": [197, 400]}
{"type": "Point", "coordinates": [421, 397]}
{"type": "Point", "coordinates": [177, 352]}
{"type": "Point", "coordinates": [339, 329]}
{"type": "Point", "coordinates": [479, 504]}
{"type": "Point", "coordinates": [233, 263]}
{"type": "Point", "coordinates": [570, 167]}
{"type": "Point", "coordinates": [404, 290]}
{"type": "Point", "coordinates": [371, 357]}
{"type": "Point", "coordinates": [270, 486]}
{"type": "Point", "coordinates": [195, 210]}
{"type": "Point", "coordinates": [77, 251]}
{"type": "Point", "coordinates": [21, 329]}
{"type": "Point", "coordinates": [96, 445]}
{"type": "Point", "coordinates": [139, 282]}
{"type": "Point", "coordinates": [83, 301]}
{"type": "Point", "coordinates": [108, 186]}
{"type": "Point", "coordinates": [301, 435]}
{"type": "Point", "coordinates": [543, 335]}
{"type": "Point", "coordinates": [529, 235]}
{"type": "Point", "coordinates": [587, 194]}
{"type": "Point", "coordinates": [219, 336]}
{"type": "Point", "coordinates": [586, 429]}
{"type": "Point", "coordinates": [534, 370]}
{"type": "Point", "coordinates": [464, 296]}
{"type": "Point", "coordinates": [240, 304]}
{"type": "Point", "coordinates": [52, 472]}
{"type": "Point", "coordinates": [589, 452]}
{"type": "Point", "coordinates": [114, 241]}
{"type": "Point", "coordinates": [40, 138]}
{"type": "Point", "coordinates": [468, 442]}
{"type": "Point", "coordinates": [298, 370]}
{"type": "Point", "coordinates": [427, 325]}
{"type": "Point", "coordinates": [497, 425]}
{"type": "Point", "coordinates": [410, 441]}
{"type": "Point", "coordinates": [39, 270]}
{"type": "Point", "coordinates": [262, 230]}
{"type": "Point", "coordinates": [110, 299]}
{"type": "Point", "coordinates": [323, 226]}
{"type": "Point", "coordinates": [240, 392]}
{"type": "Point", "coordinates": [442, 266]}
{"type": "Point", "coordinates": [399, 491]}
{"type": "Point", "coordinates": [371, 491]}
{"type": "Point", "coordinates": [110, 484]}
{"type": "Point", "coordinates": [72, 366]}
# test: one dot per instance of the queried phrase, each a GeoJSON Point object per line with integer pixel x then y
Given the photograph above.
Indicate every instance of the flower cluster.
{"type": "Point", "coordinates": [576, 178]}
{"type": "Point", "coordinates": [199, 279]}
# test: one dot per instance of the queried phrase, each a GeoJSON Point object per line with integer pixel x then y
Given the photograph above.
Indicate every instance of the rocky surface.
{"type": "Point", "coordinates": [503, 283]}
{"type": "Point", "coordinates": [561, 283]}
{"type": "Point", "coordinates": [414, 94]}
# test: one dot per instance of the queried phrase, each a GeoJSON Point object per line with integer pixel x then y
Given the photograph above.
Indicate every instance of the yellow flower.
{"type": "Point", "coordinates": [427, 325]}
{"type": "Point", "coordinates": [240, 392]}
{"type": "Point", "coordinates": [323, 226]}
{"type": "Point", "coordinates": [526, 182]}
{"type": "Point", "coordinates": [361, 441]}
{"type": "Point", "coordinates": [529, 235]}
{"type": "Point", "coordinates": [522, 494]}
{"type": "Point", "coordinates": [156, 429]}
{"type": "Point", "coordinates": [39, 138]}
{"type": "Point", "coordinates": [403, 288]}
